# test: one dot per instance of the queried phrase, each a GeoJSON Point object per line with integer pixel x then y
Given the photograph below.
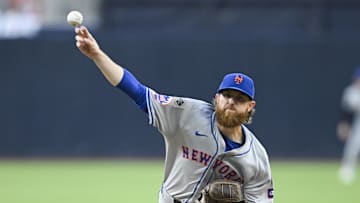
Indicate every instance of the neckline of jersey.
{"type": "Point", "coordinates": [230, 144]}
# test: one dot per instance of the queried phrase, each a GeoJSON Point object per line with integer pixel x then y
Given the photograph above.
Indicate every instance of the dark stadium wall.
{"type": "Point", "coordinates": [55, 102]}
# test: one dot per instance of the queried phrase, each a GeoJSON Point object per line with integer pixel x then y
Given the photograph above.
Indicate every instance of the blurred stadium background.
{"type": "Point", "coordinates": [56, 106]}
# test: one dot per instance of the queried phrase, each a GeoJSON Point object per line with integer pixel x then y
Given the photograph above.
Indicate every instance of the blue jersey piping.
{"type": "Point", "coordinates": [212, 159]}
{"type": "Point", "coordinates": [247, 150]}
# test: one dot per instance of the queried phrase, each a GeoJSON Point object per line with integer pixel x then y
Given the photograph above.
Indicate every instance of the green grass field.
{"type": "Point", "coordinates": [120, 181]}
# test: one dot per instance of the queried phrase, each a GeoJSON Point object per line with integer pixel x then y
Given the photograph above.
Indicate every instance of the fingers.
{"type": "Point", "coordinates": [82, 30]}
{"type": "Point", "coordinates": [77, 30]}
{"type": "Point", "coordinates": [85, 42]}
{"type": "Point", "coordinates": [82, 42]}
{"type": "Point", "coordinates": [81, 34]}
{"type": "Point", "coordinates": [78, 38]}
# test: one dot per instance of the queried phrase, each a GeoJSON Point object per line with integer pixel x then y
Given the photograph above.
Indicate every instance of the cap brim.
{"type": "Point", "coordinates": [234, 88]}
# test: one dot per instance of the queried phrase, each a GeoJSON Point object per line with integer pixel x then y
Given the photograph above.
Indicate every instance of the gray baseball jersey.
{"type": "Point", "coordinates": [195, 151]}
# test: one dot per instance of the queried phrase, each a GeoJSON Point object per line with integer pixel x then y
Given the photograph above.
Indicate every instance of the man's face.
{"type": "Point", "coordinates": [232, 108]}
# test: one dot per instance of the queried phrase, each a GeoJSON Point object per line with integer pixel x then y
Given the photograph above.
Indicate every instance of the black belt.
{"type": "Point", "coordinates": [176, 201]}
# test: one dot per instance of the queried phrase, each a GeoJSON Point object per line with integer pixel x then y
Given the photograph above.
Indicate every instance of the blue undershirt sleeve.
{"type": "Point", "coordinates": [134, 89]}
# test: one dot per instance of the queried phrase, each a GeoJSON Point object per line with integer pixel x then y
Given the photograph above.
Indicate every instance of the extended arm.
{"type": "Point", "coordinates": [114, 73]}
{"type": "Point", "coordinates": [90, 48]}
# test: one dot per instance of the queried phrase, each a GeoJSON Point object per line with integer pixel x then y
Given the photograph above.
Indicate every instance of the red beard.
{"type": "Point", "coordinates": [230, 119]}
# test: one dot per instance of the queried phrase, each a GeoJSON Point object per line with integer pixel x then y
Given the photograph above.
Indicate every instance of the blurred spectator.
{"type": "Point", "coordinates": [348, 129]}
{"type": "Point", "coordinates": [54, 12]}
{"type": "Point", "coordinates": [19, 20]}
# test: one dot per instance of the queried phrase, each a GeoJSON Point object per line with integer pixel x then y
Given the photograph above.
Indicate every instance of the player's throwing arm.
{"type": "Point", "coordinates": [90, 48]}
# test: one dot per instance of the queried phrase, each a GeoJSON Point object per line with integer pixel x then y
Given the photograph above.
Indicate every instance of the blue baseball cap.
{"type": "Point", "coordinates": [239, 82]}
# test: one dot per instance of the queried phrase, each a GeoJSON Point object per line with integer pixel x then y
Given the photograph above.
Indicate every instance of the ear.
{"type": "Point", "coordinates": [216, 98]}
{"type": "Point", "coordinates": [252, 105]}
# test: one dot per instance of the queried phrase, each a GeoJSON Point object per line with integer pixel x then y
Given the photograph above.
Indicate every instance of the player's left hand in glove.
{"type": "Point", "coordinates": [222, 191]}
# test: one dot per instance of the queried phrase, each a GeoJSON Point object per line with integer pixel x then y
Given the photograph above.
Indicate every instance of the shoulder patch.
{"type": "Point", "coordinates": [163, 99]}
{"type": "Point", "coordinates": [179, 101]}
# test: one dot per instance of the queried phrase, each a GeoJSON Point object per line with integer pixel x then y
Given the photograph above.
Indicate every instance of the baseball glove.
{"type": "Point", "coordinates": [222, 191]}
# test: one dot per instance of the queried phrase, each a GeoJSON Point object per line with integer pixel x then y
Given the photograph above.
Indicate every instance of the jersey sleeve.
{"type": "Point", "coordinates": [165, 112]}
{"type": "Point", "coordinates": [134, 89]}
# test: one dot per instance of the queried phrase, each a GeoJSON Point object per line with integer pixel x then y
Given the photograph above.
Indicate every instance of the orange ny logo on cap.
{"type": "Point", "coordinates": [238, 79]}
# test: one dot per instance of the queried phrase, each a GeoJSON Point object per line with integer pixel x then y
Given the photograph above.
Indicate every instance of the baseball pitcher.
{"type": "Point", "coordinates": [210, 154]}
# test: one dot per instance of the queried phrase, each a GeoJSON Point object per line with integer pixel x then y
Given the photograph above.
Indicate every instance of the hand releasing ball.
{"type": "Point", "coordinates": [74, 18]}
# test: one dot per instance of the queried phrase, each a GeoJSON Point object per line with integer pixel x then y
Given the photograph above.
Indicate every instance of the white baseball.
{"type": "Point", "coordinates": [74, 18]}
